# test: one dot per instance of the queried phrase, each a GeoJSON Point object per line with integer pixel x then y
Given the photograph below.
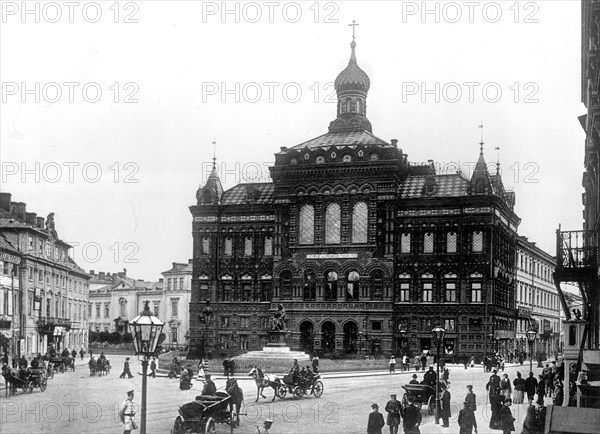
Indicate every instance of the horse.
{"type": "Point", "coordinates": [263, 381]}
{"type": "Point", "coordinates": [237, 398]}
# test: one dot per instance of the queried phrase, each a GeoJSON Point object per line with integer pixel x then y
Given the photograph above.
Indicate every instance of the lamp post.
{"type": "Point", "coordinates": [438, 335]}
{"type": "Point", "coordinates": [207, 314]}
{"type": "Point", "coordinates": [530, 338]}
{"type": "Point", "coordinates": [146, 336]}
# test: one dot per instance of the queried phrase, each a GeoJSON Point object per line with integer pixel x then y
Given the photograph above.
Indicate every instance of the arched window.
{"type": "Point", "coordinates": [307, 225]}
{"type": "Point", "coordinates": [123, 308]}
{"type": "Point", "coordinates": [285, 282]}
{"type": "Point", "coordinates": [405, 243]}
{"type": "Point", "coordinates": [360, 217]}
{"type": "Point", "coordinates": [248, 246]}
{"type": "Point", "coordinates": [332, 224]}
{"type": "Point", "coordinates": [428, 243]}
{"type": "Point", "coordinates": [310, 286]}
{"type": "Point", "coordinates": [477, 241]}
{"type": "Point", "coordinates": [320, 160]}
{"type": "Point", "coordinates": [358, 106]}
{"type": "Point", "coordinates": [352, 292]}
{"type": "Point", "coordinates": [348, 104]}
{"type": "Point", "coordinates": [331, 282]}
{"type": "Point", "coordinates": [451, 242]}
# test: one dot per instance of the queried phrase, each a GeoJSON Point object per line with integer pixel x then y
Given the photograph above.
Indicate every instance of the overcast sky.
{"type": "Point", "coordinates": [121, 168]}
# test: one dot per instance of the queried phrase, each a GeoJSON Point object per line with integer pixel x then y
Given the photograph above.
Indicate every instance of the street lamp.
{"type": "Point", "coordinates": [531, 334]}
{"type": "Point", "coordinates": [207, 314]}
{"type": "Point", "coordinates": [438, 335]}
{"type": "Point", "coordinates": [146, 336]}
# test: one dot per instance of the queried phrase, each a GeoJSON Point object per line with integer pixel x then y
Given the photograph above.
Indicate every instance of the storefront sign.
{"type": "Point", "coordinates": [6, 257]}
{"type": "Point", "coordinates": [332, 256]}
{"type": "Point", "coordinates": [5, 324]}
{"type": "Point", "coordinates": [524, 312]}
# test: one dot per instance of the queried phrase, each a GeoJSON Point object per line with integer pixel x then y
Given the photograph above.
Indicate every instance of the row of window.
{"type": "Point", "coordinates": [175, 283]}
{"type": "Point", "coordinates": [47, 249]}
{"type": "Point", "coordinates": [248, 246]}
{"type": "Point", "coordinates": [333, 224]}
{"type": "Point", "coordinates": [427, 293]}
{"type": "Point", "coordinates": [346, 158]}
{"type": "Point", "coordinates": [451, 242]}
{"type": "Point", "coordinates": [537, 297]}
{"type": "Point", "coordinates": [123, 313]}
{"type": "Point", "coordinates": [56, 307]}
{"type": "Point", "coordinates": [537, 268]}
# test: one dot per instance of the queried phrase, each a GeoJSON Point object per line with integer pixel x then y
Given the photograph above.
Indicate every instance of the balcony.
{"type": "Point", "coordinates": [576, 255]}
{"type": "Point", "coordinates": [47, 324]}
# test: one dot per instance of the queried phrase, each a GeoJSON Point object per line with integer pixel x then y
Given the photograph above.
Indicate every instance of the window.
{"type": "Point", "coordinates": [450, 293]}
{"type": "Point", "coordinates": [227, 291]}
{"type": "Point", "coordinates": [175, 307]}
{"type": "Point", "coordinates": [404, 294]}
{"type": "Point", "coordinates": [224, 321]}
{"type": "Point", "coordinates": [247, 291]}
{"type": "Point", "coordinates": [30, 304]}
{"type": "Point", "coordinates": [310, 286]}
{"type": "Point", "coordinates": [173, 334]}
{"type": "Point", "coordinates": [332, 224]}
{"type": "Point", "coordinates": [265, 291]}
{"type": "Point", "coordinates": [205, 245]}
{"type": "Point", "coordinates": [331, 279]}
{"type": "Point", "coordinates": [477, 241]}
{"type": "Point", "coordinates": [428, 243]}
{"type": "Point", "coordinates": [450, 325]}
{"type": "Point", "coordinates": [106, 310]}
{"type": "Point", "coordinates": [376, 325]}
{"type": "Point", "coordinates": [123, 308]}
{"type": "Point", "coordinates": [181, 283]}
{"type": "Point", "coordinates": [427, 292]}
{"type": "Point", "coordinates": [377, 285]}
{"type": "Point", "coordinates": [30, 243]}
{"type": "Point", "coordinates": [476, 293]}
{"type": "Point", "coordinates": [451, 242]}
{"type": "Point", "coordinates": [352, 292]}
{"type": "Point", "coordinates": [40, 276]}
{"type": "Point", "coordinates": [405, 243]}
{"type": "Point", "coordinates": [285, 281]}
{"type": "Point", "coordinates": [169, 284]}
{"type": "Point", "coordinates": [89, 310]}
{"type": "Point", "coordinates": [175, 284]}
{"type": "Point", "coordinates": [97, 310]}
{"type": "Point", "coordinates": [228, 247]}
{"type": "Point", "coordinates": [360, 218]}
{"type": "Point", "coordinates": [156, 307]}
{"type": "Point", "coordinates": [268, 246]}
{"type": "Point", "coordinates": [320, 160]}
{"type": "Point", "coordinates": [244, 322]}
{"type": "Point", "coordinates": [248, 246]}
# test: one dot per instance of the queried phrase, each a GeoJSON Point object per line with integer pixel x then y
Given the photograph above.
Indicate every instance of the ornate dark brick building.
{"type": "Point", "coordinates": [366, 251]}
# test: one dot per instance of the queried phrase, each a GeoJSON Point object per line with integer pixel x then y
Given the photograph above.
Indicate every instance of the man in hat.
{"type": "Point", "coordinates": [394, 411]}
{"type": "Point", "coordinates": [265, 428]}
{"type": "Point", "coordinates": [209, 387]}
{"type": "Point", "coordinates": [493, 383]}
{"type": "Point", "coordinates": [530, 387]}
{"type": "Point", "coordinates": [507, 420]}
{"type": "Point", "coordinates": [127, 413]}
{"type": "Point", "coordinates": [412, 417]}
{"type": "Point", "coordinates": [471, 398]}
{"type": "Point", "coordinates": [445, 405]}
{"type": "Point", "coordinates": [375, 422]}
{"type": "Point", "coordinates": [414, 380]}
{"type": "Point", "coordinates": [541, 391]}
{"type": "Point", "coordinates": [466, 419]}
{"type": "Point", "coordinates": [126, 370]}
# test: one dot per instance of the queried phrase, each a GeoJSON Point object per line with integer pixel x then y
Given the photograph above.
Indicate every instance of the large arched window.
{"type": "Point", "coordinates": [306, 225]}
{"type": "Point", "coordinates": [332, 224]}
{"type": "Point", "coordinates": [285, 282]}
{"type": "Point", "coordinates": [360, 218]}
{"type": "Point", "coordinates": [353, 281]}
{"type": "Point", "coordinates": [310, 286]}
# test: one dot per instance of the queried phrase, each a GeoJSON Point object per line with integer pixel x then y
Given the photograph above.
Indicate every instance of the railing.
{"type": "Point", "coordinates": [576, 249]}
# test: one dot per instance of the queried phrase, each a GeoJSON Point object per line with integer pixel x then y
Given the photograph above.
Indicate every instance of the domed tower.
{"type": "Point", "coordinates": [211, 193]}
{"type": "Point", "coordinates": [351, 86]}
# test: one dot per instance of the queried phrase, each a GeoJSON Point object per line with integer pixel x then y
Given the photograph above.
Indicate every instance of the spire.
{"type": "Point", "coordinates": [211, 193]}
{"type": "Point", "coordinates": [480, 180]}
{"type": "Point", "coordinates": [497, 148]}
{"type": "Point", "coordinates": [351, 86]}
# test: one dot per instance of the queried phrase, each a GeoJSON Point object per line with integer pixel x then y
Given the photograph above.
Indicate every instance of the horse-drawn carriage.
{"type": "Point", "coordinates": [23, 379]}
{"type": "Point", "coordinates": [421, 394]}
{"type": "Point", "coordinates": [298, 386]}
{"type": "Point", "coordinates": [204, 413]}
{"type": "Point", "coordinates": [99, 367]}
{"type": "Point", "coordinates": [62, 364]}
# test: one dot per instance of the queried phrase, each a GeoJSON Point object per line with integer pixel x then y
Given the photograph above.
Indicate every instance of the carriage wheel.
{"type": "Point", "coordinates": [318, 389]}
{"type": "Point", "coordinates": [43, 384]}
{"type": "Point", "coordinates": [281, 392]}
{"type": "Point", "coordinates": [211, 426]}
{"type": "Point", "coordinates": [431, 405]}
{"type": "Point", "coordinates": [178, 426]}
{"type": "Point", "coordinates": [297, 391]}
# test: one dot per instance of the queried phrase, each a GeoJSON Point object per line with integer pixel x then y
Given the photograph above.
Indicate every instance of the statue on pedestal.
{"type": "Point", "coordinates": [278, 320]}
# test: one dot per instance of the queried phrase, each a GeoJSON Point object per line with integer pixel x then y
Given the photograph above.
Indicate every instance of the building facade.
{"type": "Point", "coordinates": [366, 251]}
{"type": "Point", "coordinates": [538, 303]}
{"type": "Point", "coordinates": [51, 299]}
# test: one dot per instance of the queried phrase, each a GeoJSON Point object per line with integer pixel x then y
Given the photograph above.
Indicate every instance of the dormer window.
{"type": "Point", "coordinates": [320, 160]}
{"type": "Point", "coordinates": [347, 158]}
{"type": "Point", "coordinates": [294, 161]}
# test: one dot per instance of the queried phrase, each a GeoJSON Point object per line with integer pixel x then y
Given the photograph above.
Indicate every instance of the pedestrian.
{"type": "Point", "coordinates": [153, 368]}
{"type": "Point", "coordinates": [423, 361]}
{"type": "Point", "coordinates": [405, 363]}
{"type": "Point", "coordinates": [414, 380]}
{"type": "Point", "coordinates": [127, 413]}
{"type": "Point", "coordinates": [74, 354]}
{"type": "Point", "coordinates": [315, 364]}
{"type": "Point", "coordinates": [541, 391]}
{"type": "Point", "coordinates": [471, 398]}
{"type": "Point", "coordinates": [412, 417]}
{"type": "Point", "coordinates": [81, 353]}
{"type": "Point", "coordinates": [232, 367]}
{"type": "Point", "coordinates": [394, 410]}
{"type": "Point", "coordinates": [519, 390]}
{"type": "Point", "coordinates": [392, 365]}
{"type": "Point", "coordinates": [225, 367]}
{"type": "Point", "coordinates": [172, 369]}
{"type": "Point", "coordinates": [201, 372]}
{"type": "Point", "coordinates": [531, 424]}
{"type": "Point", "coordinates": [496, 407]}
{"type": "Point", "coordinates": [507, 421]}
{"type": "Point", "coordinates": [530, 387]}
{"type": "Point", "coordinates": [429, 377]}
{"type": "Point", "coordinates": [493, 383]}
{"type": "Point", "coordinates": [466, 419]}
{"type": "Point", "coordinates": [506, 386]}
{"type": "Point", "coordinates": [209, 387]}
{"type": "Point", "coordinates": [375, 422]}
{"type": "Point", "coordinates": [445, 405]}
{"type": "Point", "coordinates": [472, 361]}
{"type": "Point", "coordinates": [126, 370]}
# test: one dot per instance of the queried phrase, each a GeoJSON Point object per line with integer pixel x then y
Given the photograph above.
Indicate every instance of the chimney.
{"type": "Point", "coordinates": [92, 272]}
{"type": "Point", "coordinates": [160, 280]}
{"type": "Point", "coordinates": [40, 222]}
{"type": "Point", "coordinates": [31, 218]}
{"type": "Point", "coordinates": [394, 143]}
{"type": "Point", "coordinates": [5, 201]}
{"type": "Point", "coordinates": [19, 210]}
{"type": "Point", "coordinates": [283, 148]}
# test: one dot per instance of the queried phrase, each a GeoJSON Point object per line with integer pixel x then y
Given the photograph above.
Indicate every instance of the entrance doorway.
{"type": "Point", "coordinates": [351, 337]}
{"type": "Point", "coordinates": [328, 330]}
{"type": "Point", "coordinates": [307, 337]}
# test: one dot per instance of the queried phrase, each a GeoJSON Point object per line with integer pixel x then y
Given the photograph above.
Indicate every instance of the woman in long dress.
{"type": "Point", "coordinates": [201, 373]}
{"type": "Point", "coordinates": [519, 390]}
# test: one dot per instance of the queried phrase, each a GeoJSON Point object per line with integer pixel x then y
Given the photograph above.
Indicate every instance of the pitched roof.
{"type": "Point", "coordinates": [258, 192]}
{"type": "Point", "coordinates": [451, 185]}
{"type": "Point", "coordinates": [352, 139]}
{"type": "Point", "coordinates": [7, 246]}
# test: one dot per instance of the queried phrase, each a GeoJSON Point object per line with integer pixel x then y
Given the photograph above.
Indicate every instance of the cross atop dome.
{"type": "Point", "coordinates": [353, 25]}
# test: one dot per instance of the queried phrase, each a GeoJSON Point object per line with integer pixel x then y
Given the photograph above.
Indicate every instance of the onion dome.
{"type": "Point", "coordinates": [352, 79]}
